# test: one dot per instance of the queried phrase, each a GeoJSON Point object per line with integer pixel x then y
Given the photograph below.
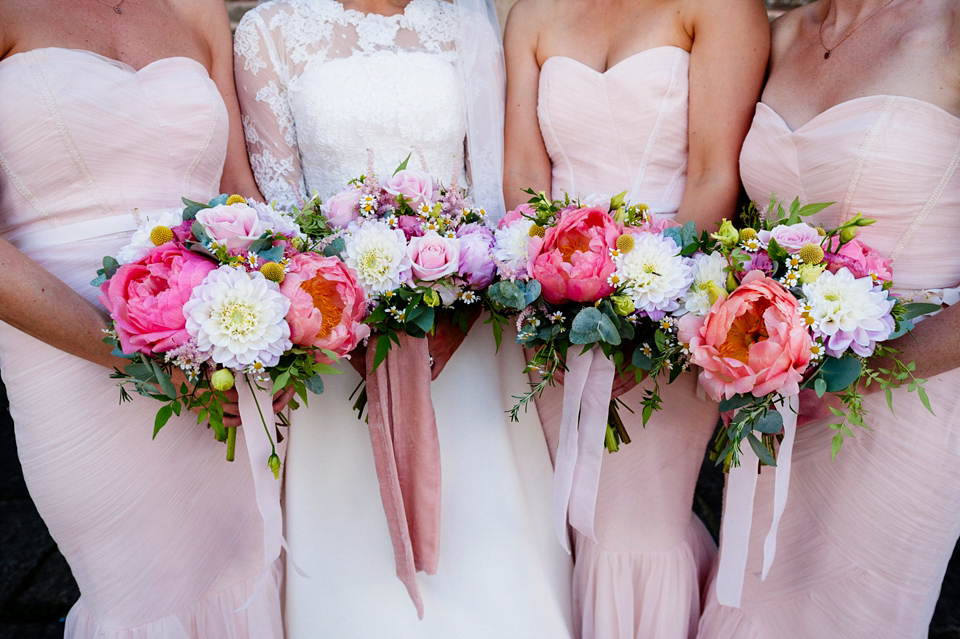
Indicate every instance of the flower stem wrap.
{"type": "Point", "coordinates": [406, 449]}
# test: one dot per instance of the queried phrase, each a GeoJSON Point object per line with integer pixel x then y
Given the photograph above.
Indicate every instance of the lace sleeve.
{"type": "Point", "coordinates": [262, 81]}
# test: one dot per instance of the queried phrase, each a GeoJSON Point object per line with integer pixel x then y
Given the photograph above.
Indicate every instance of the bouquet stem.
{"type": "Point", "coordinates": [231, 443]}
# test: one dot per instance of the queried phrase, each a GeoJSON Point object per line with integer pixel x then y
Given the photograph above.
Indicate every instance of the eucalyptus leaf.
{"type": "Point", "coordinates": [640, 360]}
{"type": "Point", "coordinates": [735, 402]}
{"type": "Point", "coordinates": [820, 386]}
{"type": "Point", "coordinates": [220, 200]}
{"type": "Point", "coordinates": [198, 232]}
{"type": "Point", "coordinates": [840, 373]}
{"type": "Point", "coordinates": [912, 309]}
{"type": "Point", "coordinates": [531, 291]}
{"type": "Point", "coordinates": [335, 248]}
{"type": "Point", "coordinates": [770, 423]}
{"type": "Point", "coordinates": [315, 384]}
{"type": "Point", "coordinates": [590, 325]}
{"type": "Point", "coordinates": [508, 294]}
{"type": "Point", "coordinates": [761, 450]}
{"type": "Point", "coordinates": [273, 254]}
{"type": "Point", "coordinates": [262, 243]}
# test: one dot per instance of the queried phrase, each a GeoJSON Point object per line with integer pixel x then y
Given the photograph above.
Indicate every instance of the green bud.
{"type": "Point", "coordinates": [731, 283]}
{"type": "Point", "coordinates": [222, 380]}
{"type": "Point", "coordinates": [727, 235]}
{"type": "Point", "coordinates": [622, 305]}
{"type": "Point", "coordinates": [617, 200]}
{"type": "Point", "coordinates": [847, 233]}
{"type": "Point", "coordinates": [431, 298]}
{"type": "Point", "coordinates": [274, 464]}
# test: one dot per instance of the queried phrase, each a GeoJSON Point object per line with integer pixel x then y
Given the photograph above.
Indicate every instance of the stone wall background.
{"type": "Point", "coordinates": [37, 589]}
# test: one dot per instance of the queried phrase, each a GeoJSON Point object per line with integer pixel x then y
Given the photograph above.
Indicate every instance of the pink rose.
{"type": "Point", "coordinates": [433, 256]}
{"type": "Point", "coordinates": [752, 342]}
{"type": "Point", "coordinates": [341, 209]}
{"type": "Point", "coordinates": [415, 186]}
{"type": "Point", "coordinates": [791, 237]}
{"type": "Point", "coordinates": [326, 304]}
{"type": "Point", "coordinates": [573, 261]}
{"type": "Point", "coordinates": [145, 298]}
{"type": "Point", "coordinates": [861, 260]}
{"type": "Point", "coordinates": [522, 211]}
{"type": "Point", "coordinates": [235, 226]}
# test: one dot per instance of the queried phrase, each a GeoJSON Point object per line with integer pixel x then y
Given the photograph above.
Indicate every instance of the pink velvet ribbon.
{"type": "Point", "coordinates": [587, 386]}
{"type": "Point", "coordinates": [738, 510]}
{"type": "Point", "coordinates": [406, 449]}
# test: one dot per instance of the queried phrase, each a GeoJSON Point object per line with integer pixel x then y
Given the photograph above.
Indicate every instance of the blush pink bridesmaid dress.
{"type": "Point", "coordinates": [626, 129]}
{"type": "Point", "coordinates": [865, 540]}
{"type": "Point", "coordinates": [163, 537]}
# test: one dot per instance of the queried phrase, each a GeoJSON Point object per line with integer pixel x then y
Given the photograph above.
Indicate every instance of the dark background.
{"type": "Point", "coordinates": [37, 590]}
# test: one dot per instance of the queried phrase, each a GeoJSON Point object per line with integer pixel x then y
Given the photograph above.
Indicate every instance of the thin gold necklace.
{"type": "Point", "coordinates": [829, 50]}
{"type": "Point", "coordinates": [115, 7]}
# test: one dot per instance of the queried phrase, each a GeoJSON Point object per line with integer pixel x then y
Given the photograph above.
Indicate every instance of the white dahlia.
{"type": "Point", "coordinates": [510, 249]}
{"type": "Point", "coordinates": [378, 255]}
{"type": "Point", "coordinates": [239, 317]}
{"type": "Point", "coordinates": [140, 242]}
{"type": "Point", "coordinates": [653, 274]}
{"type": "Point", "coordinates": [709, 281]}
{"type": "Point", "coordinates": [848, 312]}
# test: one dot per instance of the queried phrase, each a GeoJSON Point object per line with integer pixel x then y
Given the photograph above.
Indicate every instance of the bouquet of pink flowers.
{"type": "Point", "coordinates": [793, 306]}
{"type": "Point", "coordinates": [224, 289]}
{"type": "Point", "coordinates": [416, 247]}
{"type": "Point", "coordinates": [604, 276]}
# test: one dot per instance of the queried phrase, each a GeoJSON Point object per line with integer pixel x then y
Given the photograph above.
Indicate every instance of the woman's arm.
{"type": "Point", "coordinates": [211, 19]}
{"type": "Point", "coordinates": [731, 43]}
{"type": "Point", "coordinates": [526, 163]}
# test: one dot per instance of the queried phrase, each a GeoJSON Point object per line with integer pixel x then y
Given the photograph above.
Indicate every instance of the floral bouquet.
{"type": "Point", "coordinates": [416, 247]}
{"type": "Point", "coordinates": [796, 306]}
{"type": "Point", "coordinates": [224, 289]}
{"type": "Point", "coordinates": [608, 276]}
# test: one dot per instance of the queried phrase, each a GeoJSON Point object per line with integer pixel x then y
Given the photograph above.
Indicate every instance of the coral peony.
{"type": "Point", "coordinates": [145, 298]}
{"type": "Point", "coordinates": [861, 260]}
{"type": "Point", "coordinates": [754, 341]}
{"type": "Point", "coordinates": [573, 260]}
{"type": "Point", "coordinates": [326, 304]}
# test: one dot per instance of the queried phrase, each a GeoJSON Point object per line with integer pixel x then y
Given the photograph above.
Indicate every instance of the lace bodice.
{"type": "Point", "coordinates": [320, 85]}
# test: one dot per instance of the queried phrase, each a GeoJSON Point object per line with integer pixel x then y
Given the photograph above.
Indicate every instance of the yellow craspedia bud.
{"type": "Point", "coordinates": [625, 243]}
{"type": "Point", "coordinates": [272, 271]}
{"type": "Point", "coordinates": [222, 380]}
{"type": "Point", "coordinates": [811, 253]}
{"type": "Point", "coordinates": [747, 234]}
{"type": "Point", "coordinates": [236, 199]}
{"type": "Point", "coordinates": [537, 231]}
{"type": "Point", "coordinates": [161, 235]}
{"type": "Point", "coordinates": [821, 232]}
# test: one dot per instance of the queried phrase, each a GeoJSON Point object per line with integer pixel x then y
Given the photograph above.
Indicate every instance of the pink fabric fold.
{"type": "Point", "coordinates": [406, 450]}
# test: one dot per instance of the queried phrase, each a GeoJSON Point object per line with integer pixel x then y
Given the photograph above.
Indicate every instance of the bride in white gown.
{"type": "Point", "coordinates": [321, 82]}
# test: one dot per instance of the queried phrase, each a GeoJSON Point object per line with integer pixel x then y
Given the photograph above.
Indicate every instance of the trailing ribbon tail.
{"type": "Point", "coordinates": [406, 449]}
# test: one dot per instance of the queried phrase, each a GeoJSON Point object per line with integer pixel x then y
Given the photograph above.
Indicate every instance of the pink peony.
{"type": "Point", "coordinates": [433, 256]}
{"type": "Point", "coordinates": [341, 209]}
{"type": "Point", "coordinates": [790, 237]}
{"type": "Point", "coordinates": [522, 211]}
{"type": "Point", "coordinates": [326, 304]}
{"type": "Point", "coordinates": [573, 261]}
{"type": "Point", "coordinates": [861, 260]}
{"type": "Point", "coordinates": [235, 226]}
{"type": "Point", "coordinates": [145, 298]}
{"type": "Point", "coordinates": [752, 342]}
{"type": "Point", "coordinates": [477, 267]}
{"type": "Point", "coordinates": [415, 186]}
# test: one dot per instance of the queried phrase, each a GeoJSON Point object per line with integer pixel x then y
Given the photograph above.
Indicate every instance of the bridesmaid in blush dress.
{"type": "Point", "coordinates": [653, 98]}
{"type": "Point", "coordinates": [110, 107]}
{"type": "Point", "coordinates": [874, 127]}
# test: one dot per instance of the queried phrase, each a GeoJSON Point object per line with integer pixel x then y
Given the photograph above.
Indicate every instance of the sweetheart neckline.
{"type": "Point", "coordinates": [618, 64]}
{"type": "Point", "coordinates": [119, 64]}
{"type": "Point", "coordinates": [840, 105]}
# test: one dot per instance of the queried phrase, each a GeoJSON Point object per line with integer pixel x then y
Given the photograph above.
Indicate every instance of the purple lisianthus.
{"type": "Point", "coordinates": [410, 225]}
{"type": "Point", "coordinates": [477, 267]}
{"type": "Point", "coordinates": [759, 262]}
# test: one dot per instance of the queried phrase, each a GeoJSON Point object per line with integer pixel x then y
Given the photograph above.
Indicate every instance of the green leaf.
{"type": "Point", "coordinates": [403, 165]}
{"type": "Point", "coordinates": [813, 209]}
{"type": "Point", "coordinates": [820, 386]}
{"type": "Point", "coordinates": [770, 423]}
{"type": "Point", "coordinates": [735, 402]}
{"type": "Point", "coordinates": [192, 208]}
{"type": "Point", "coordinates": [335, 248]}
{"type": "Point", "coordinates": [163, 416]}
{"type": "Point", "coordinates": [761, 450]}
{"type": "Point", "coordinates": [840, 373]}
{"type": "Point", "coordinates": [272, 254]}
{"type": "Point", "coordinates": [684, 236]}
{"type": "Point", "coordinates": [641, 361]}
{"type": "Point", "coordinates": [383, 345]}
{"type": "Point", "coordinates": [835, 445]}
{"type": "Point", "coordinates": [219, 200]}
{"type": "Point", "coordinates": [198, 232]}
{"type": "Point", "coordinates": [164, 381]}
{"type": "Point", "coordinates": [916, 309]}
{"type": "Point", "coordinates": [422, 317]}
{"type": "Point", "coordinates": [590, 325]}
{"type": "Point", "coordinates": [282, 380]}
{"type": "Point", "coordinates": [922, 394]}
{"type": "Point", "coordinates": [315, 383]}
{"type": "Point", "coordinates": [508, 294]}
{"type": "Point", "coordinates": [531, 292]}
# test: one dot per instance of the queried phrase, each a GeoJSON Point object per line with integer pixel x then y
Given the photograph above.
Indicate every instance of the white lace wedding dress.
{"type": "Point", "coordinates": [319, 85]}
